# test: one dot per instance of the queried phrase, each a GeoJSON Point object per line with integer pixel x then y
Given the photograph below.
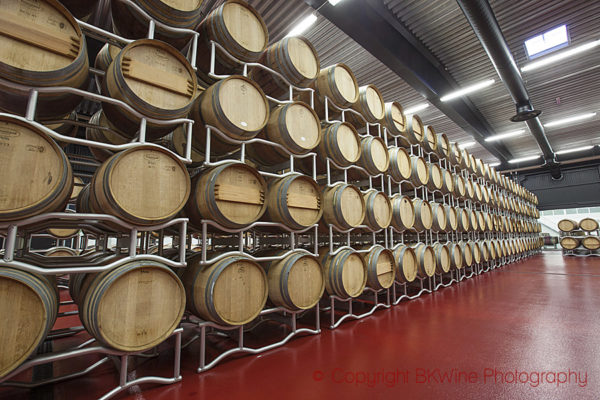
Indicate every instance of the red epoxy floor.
{"type": "Point", "coordinates": [536, 316]}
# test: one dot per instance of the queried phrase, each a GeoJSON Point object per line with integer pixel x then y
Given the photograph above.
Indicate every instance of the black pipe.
{"type": "Point", "coordinates": [483, 21]}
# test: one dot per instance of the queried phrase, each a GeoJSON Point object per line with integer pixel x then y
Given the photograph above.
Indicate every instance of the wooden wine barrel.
{"type": "Point", "coordinates": [345, 272]}
{"type": "Point", "coordinates": [35, 175]}
{"type": "Point", "coordinates": [464, 222]}
{"type": "Point", "coordinates": [415, 131]}
{"type": "Point", "coordinates": [484, 250]}
{"type": "Point", "coordinates": [81, 9]}
{"type": "Point", "coordinates": [61, 251]}
{"type": "Point", "coordinates": [103, 132]}
{"type": "Point", "coordinates": [478, 194]}
{"type": "Point", "coordinates": [239, 28]}
{"type": "Point", "coordinates": [121, 309]}
{"type": "Point", "coordinates": [295, 201]}
{"type": "Point", "coordinates": [570, 242]}
{"type": "Point", "coordinates": [341, 144]}
{"type": "Point", "coordinates": [588, 224]}
{"type": "Point", "coordinates": [295, 126]}
{"type": "Point", "coordinates": [121, 186]}
{"type": "Point", "coordinates": [394, 119]}
{"type": "Point", "coordinates": [154, 79]}
{"type": "Point", "coordinates": [400, 164]}
{"type": "Point", "coordinates": [426, 262]}
{"type": "Point", "coordinates": [231, 194]}
{"type": "Point", "coordinates": [176, 141]}
{"type": "Point", "coordinates": [381, 267]}
{"type": "Point", "coordinates": [296, 281]}
{"type": "Point", "coordinates": [104, 58]}
{"type": "Point", "coordinates": [423, 215]}
{"type": "Point", "coordinates": [489, 224]}
{"type": "Point", "coordinates": [430, 141]}
{"type": "Point", "coordinates": [485, 193]}
{"type": "Point", "coordinates": [232, 291]}
{"type": "Point", "coordinates": [343, 206]}
{"type": "Point", "coordinates": [455, 154]}
{"type": "Point", "coordinates": [451, 218]}
{"type": "Point", "coordinates": [182, 14]}
{"type": "Point", "coordinates": [406, 261]}
{"type": "Point", "coordinates": [465, 160]}
{"type": "Point", "coordinates": [473, 221]}
{"type": "Point", "coordinates": [28, 307]}
{"type": "Point", "coordinates": [456, 256]}
{"type": "Point", "coordinates": [237, 107]}
{"type": "Point", "coordinates": [492, 249]}
{"type": "Point", "coordinates": [378, 210]}
{"type": "Point", "coordinates": [41, 45]}
{"type": "Point", "coordinates": [467, 252]}
{"type": "Point", "coordinates": [567, 225]}
{"type": "Point", "coordinates": [472, 164]}
{"type": "Point", "coordinates": [469, 189]}
{"type": "Point", "coordinates": [442, 258]}
{"type": "Point", "coordinates": [78, 184]}
{"type": "Point", "coordinates": [374, 155]}
{"type": "Point", "coordinates": [447, 181]}
{"type": "Point", "coordinates": [403, 213]}
{"type": "Point", "coordinates": [295, 58]}
{"type": "Point", "coordinates": [436, 177]}
{"type": "Point", "coordinates": [481, 223]}
{"type": "Point", "coordinates": [338, 84]}
{"type": "Point", "coordinates": [439, 217]}
{"type": "Point", "coordinates": [498, 248]}
{"type": "Point", "coordinates": [62, 233]}
{"type": "Point", "coordinates": [419, 174]}
{"type": "Point", "coordinates": [443, 146]}
{"type": "Point", "coordinates": [63, 126]}
{"type": "Point", "coordinates": [369, 104]}
{"type": "Point", "coordinates": [460, 188]}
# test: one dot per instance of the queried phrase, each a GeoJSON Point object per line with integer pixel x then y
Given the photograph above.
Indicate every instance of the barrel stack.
{"type": "Point", "coordinates": [221, 191]}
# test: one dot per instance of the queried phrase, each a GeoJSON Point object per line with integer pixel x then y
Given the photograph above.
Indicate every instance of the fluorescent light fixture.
{"type": "Point", "coordinates": [466, 145]}
{"type": "Point", "coordinates": [468, 89]}
{"type": "Point", "coordinates": [574, 118]}
{"type": "Point", "coordinates": [528, 158]}
{"type": "Point", "coordinates": [506, 135]}
{"type": "Point", "coordinates": [303, 25]}
{"type": "Point", "coordinates": [560, 56]}
{"type": "Point", "coordinates": [551, 40]}
{"type": "Point", "coordinates": [418, 107]}
{"type": "Point", "coordinates": [334, 2]}
{"type": "Point", "coordinates": [495, 164]}
{"type": "Point", "coordinates": [575, 150]}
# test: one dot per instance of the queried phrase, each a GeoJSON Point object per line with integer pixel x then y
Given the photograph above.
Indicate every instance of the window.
{"type": "Point", "coordinates": [547, 42]}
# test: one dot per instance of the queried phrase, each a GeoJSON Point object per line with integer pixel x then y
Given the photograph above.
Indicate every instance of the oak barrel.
{"type": "Point", "coordinates": [378, 210]}
{"type": "Point", "coordinates": [400, 164]}
{"type": "Point", "coordinates": [406, 261]}
{"type": "Point", "coordinates": [588, 224]}
{"type": "Point", "coordinates": [143, 185]}
{"type": "Point", "coordinates": [338, 84]}
{"type": "Point", "coordinates": [232, 291]}
{"type": "Point", "coordinates": [570, 242]}
{"type": "Point", "coordinates": [447, 181]}
{"type": "Point", "coordinates": [231, 194]}
{"type": "Point", "coordinates": [237, 27]}
{"type": "Point", "coordinates": [345, 272]}
{"type": "Point", "coordinates": [41, 45]}
{"type": "Point", "coordinates": [403, 213]}
{"type": "Point", "coordinates": [374, 156]}
{"type": "Point", "coordinates": [436, 177]}
{"type": "Point", "coordinates": [442, 258]}
{"type": "Point", "coordinates": [443, 146]}
{"type": "Point", "coordinates": [181, 14]}
{"type": "Point", "coordinates": [419, 175]}
{"type": "Point", "coordinates": [426, 262]}
{"type": "Point", "coordinates": [467, 252]}
{"type": "Point", "coordinates": [369, 104]}
{"type": "Point", "coordinates": [154, 79]}
{"type": "Point", "coordinates": [28, 307]}
{"type": "Point", "coordinates": [394, 119]}
{"type": "Point", "coordinates": [456, 256]}
{"type": "Point", "coordinates": [451, 218]}
{"type": "Point", "coordinates": [423, 215]}
{"type": "Point", "coordinates": [381, 267]}
{"type": "Point", "coordinates": [415, 131]}
{"type": "Point", "coordinates": [295, 201]}
{"type": "Point", "coordinates": [591, 242]}
{"type": "Point", "coordinates": [439, 217]}
{"type": "Point", "coordinates": [343, 206]}
{"type": "Point", "coordinates": [296, 281]}
{"type": "Point", "coordinates": [35, 175]}
{"type": "Point", "coordinates": [341, 143]}
{"type": "Point", "coordinates": [464, 222]}
{"type": "Point", "coordinates": [430, 141]}
{"type": "Point", "coordinates": [102, 132]}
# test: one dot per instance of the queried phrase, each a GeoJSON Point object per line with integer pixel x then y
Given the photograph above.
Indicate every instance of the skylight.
{"type": "Point", "coordinates": [547, 42]}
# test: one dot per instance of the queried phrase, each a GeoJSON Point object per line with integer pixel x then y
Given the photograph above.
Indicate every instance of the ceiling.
{"type": "Point", "coordinates": [567, 88]}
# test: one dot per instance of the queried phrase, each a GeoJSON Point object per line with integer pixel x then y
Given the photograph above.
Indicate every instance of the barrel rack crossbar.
{"type": "Point", "coordinates": [84, 350]}
{"type": "Point", "coordinates": [282, 316]}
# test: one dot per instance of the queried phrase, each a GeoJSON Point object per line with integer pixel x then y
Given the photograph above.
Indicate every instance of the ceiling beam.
{"type": "Point", "coordinates": [377, 30]}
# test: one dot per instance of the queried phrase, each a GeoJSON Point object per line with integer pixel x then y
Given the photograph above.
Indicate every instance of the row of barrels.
{"type": "Point", "coordinates": [136, 305]}
{"type": "Point", "coordinates": [573, 242]}
{"type": "Point", "coordinates": [169, 89]}
{"type": "Point", "coordinates": [148, 185]}
{"type": "Point", "coordinates": [586, 224]}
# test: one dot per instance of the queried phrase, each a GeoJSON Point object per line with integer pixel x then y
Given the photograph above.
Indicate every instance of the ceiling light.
{"type": "Point", "coordinates": [467, 90]}
{"type": "Point", "coordinates": [570, 119]}
{"type": "Point", "coordinates": [466, 145]}
{"type": "Point", "coordinates": [334, 2]}
{"type": "Point", "coordinates": [574, 150]}
{"type": "Point", "coordinates": [528, 158]}
{"type": "Point", "coordinates": [494, 164]}
{"type": "Point", "coordinates": [506, 135]}
{"type": "Point", "coordinates": [418, 107]}
{"type": "Point", "coordinates": [303, 25]}
{"type": "Point", "coordinates": [560, 56]}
